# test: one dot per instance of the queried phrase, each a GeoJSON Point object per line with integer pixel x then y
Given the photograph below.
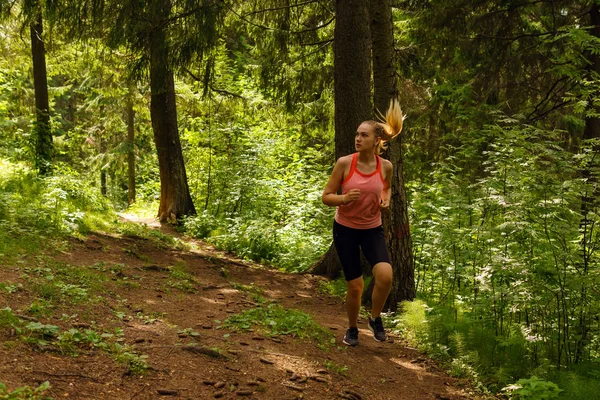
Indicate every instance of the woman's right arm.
{"type": "Point", "coordinates": [330, 196]}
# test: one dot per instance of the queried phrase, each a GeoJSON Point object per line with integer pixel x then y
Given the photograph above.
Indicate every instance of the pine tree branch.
{"type": "Point", "coordinates": [280, 8]}
{"type": "Point", "coordinates": [321, 43]}
{"type": "Point", "coordinates": [211, 87]}
{"type": "Point", "coordinates": [269, 28]}
{"type": "Point", "coordinates": [515, 6]}
{"type": "Point", "coordinates": [555, 107]}
{"type": "Point", "coordinates": [546, 98]}
{"type": "Point", "coordinates": [313, 29]}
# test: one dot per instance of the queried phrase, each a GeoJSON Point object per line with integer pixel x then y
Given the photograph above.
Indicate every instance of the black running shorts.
{"type": "Point", "coordinates": [348, 243]}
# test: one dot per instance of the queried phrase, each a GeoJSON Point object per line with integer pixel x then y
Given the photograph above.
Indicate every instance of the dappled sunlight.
{"type": "Point", "coordinates": [408, 365]}
{"type": "Point", "coordinates": [212, 301]}
{"type": "Point", "coordinates": [229, 291]}
{"type": "Point", "coordinates": [274, 294]}
{"type": "Point", "coordinates": [158, 327]}
{"type": "Point", "coordinates": [287, 362]}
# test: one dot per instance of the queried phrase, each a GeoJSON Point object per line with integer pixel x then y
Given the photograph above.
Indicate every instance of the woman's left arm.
{"type": "Point", "coordinates": [386, 193]}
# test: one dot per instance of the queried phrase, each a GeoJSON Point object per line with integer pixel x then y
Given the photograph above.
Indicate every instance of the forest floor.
{"type": "Point", "coordinates": [154, 329]}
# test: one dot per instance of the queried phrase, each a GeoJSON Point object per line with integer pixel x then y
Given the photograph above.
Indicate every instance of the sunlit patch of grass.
{"type": "Point", "coordinates": [254, 291]}
{"type": "Point", "coordinates": [181, 279]}
{"type": "Point", "coordinates": [274, 320]}
{"type": "Point", "coordinates": [143, 209]}
{"type": "Point", "coordinates": [134, 230]}
{"type": "Point", "coordinates": [57, 282]}
{"type": "Point", "coordinates": [41, 308]}
{"type": "Point", "coordinates": [97, 222]}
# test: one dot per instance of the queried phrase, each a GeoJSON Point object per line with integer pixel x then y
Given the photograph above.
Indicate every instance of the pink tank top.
{"type": "Point", "coordinates": [363, 213]}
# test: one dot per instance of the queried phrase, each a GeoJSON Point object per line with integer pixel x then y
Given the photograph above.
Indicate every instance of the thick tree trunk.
{"type": "Point", "coordinates": [352, 86]}
{"type": "Point", "coordinates": [352, 72]}
{"type": "Point", "coordinates": [592, 123]}
{"type": "Point", "coordinates": [130, 149]}
{"type": "Point", "coordinates": [42, 132]}
{"type": "Point", "coordinates": [397, 230]}
{"type": "Point", "coordinates": [589, 202]}
{"type": "Point", "coordinates": [395, 220]}
{"type": "Point", "coordinates": [175, 199]}
{"type": "Point", "coordinates": [382, 40]}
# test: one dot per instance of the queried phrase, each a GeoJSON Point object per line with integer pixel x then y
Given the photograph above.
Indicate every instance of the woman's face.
{"type": "Point", "coordinates": [365, 139]}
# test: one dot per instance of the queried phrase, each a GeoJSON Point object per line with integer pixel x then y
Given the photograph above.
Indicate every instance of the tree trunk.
{"type": "Point", "coordinates": [42, 132]}
{"type": "Point", "coordinates": [352, 72]}
{"type": "Point", "coordinates": [130, 149]}
{"type": "Point", "coordinates": [103, 190]}
{"type": "Point", "coordinates": [382, 41]}
{"type": "Point", "coordinates": [352, 87]}
{"type": "Point", "coordinates": [395, 220]}
{"type": "Point", "coordinates": [175, 199]}
{"type": "Point", "coordinates": [592, 123]}
{"type": "Point", "coordinates": [589, 202]}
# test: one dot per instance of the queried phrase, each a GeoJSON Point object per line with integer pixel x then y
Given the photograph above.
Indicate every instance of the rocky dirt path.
{"type": "Point", "coordinates": [166, 308]}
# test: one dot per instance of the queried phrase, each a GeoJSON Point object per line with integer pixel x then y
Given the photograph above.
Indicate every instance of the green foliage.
{"type": "Point", "coordinates": [73, 340]}
{"type": "Point", "coordinates": [8, 318]}
{"type": "Point", "coordinates": [336, 287]}
{"type": "Point", "coordinates": [136, 230]}
{"type": "Point", "coordinates": [182, 280]}
{"type": "Point", "coordinates": [255, 292]}
{"type": "Point", "coordinates": [24, 392]}
{"type": "Point", "coordinates": [581, 383]}
{"type": "Point", "coordinates": [533, 388]}
{"type": "Point", "coordinates": [274, 320]}
{"type": "Point", "coordinates": [36, 211]}
{"type": "Point", "coordinates": [58, 282]}
{"type": "Point", "coordinates": [338, 369]}
{"type": "Point", "coordinates": [412, 321]}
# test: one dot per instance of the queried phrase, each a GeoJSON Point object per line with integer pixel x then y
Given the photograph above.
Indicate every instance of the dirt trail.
{"type": "Point", "coordinates": [160, 316]}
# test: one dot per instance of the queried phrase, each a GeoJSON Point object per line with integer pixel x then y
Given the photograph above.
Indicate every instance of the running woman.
{"type": "Point", "coordinates": [365, 180]}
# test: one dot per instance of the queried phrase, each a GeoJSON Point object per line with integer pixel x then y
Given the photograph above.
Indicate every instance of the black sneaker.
{"type": "Point", "coordinates": [351, 338]}
{"type": "Point", "coordinates": [376, 326]}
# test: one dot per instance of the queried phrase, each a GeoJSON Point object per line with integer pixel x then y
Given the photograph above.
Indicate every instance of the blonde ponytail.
{"type": "Point", "coordinates": [388, 127]}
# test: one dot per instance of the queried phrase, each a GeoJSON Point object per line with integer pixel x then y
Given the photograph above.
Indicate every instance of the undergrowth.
{"type": "Point", "coordinates": [502, 365]}
{"type": "Point", "coordinates": [24, 392]}
{"type": "Point", "coordinates": [73, 341]}
{"type": "Point", "coordinates": [275, 320]}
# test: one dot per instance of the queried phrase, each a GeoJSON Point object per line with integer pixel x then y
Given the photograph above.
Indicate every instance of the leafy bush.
{"type": "Point", "coordinates": [533, 388]}
{"type": "Point", "coordinates": [34, 211]}
{"type": "Point", "coordinates": [200, 226]}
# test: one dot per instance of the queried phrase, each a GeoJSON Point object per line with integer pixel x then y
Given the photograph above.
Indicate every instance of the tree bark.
{"type": "Point", "coordinates": [382, 42]}
{"type": "Point", "coordinates": [589, 201]}
{"type": "Point", "coordinates": [130, 149]}
{"type": "Point", "coordinates": [175, 199]}
{"type": "Point", "coordinates": [592, 123]}
{"type": "Point", "coordinates": [103, 190]}
{"type": "Point", "coordinates": [352, 72]}
{"type": "Point", "coordinates": [395, 220]}
{"type": "Point", "coordinates": [352, 88]}
{"type": "Point", "coordinates": [42, 132]}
